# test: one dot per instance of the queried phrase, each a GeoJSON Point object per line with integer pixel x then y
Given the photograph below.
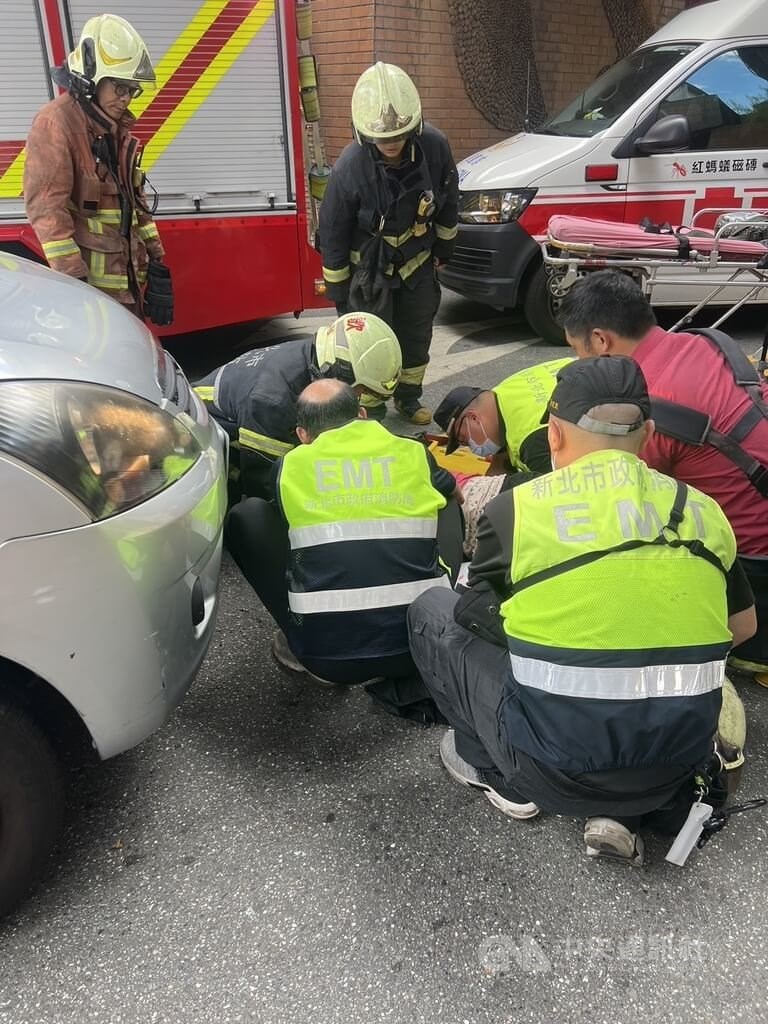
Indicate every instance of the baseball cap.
{"type": "Point", "coordinates": [600, 380]}
{"type": "Point", "coordinates": [449, 410]}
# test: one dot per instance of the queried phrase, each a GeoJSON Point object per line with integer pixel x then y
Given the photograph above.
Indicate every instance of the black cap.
{"type": "Point", "coordinates": [449, 410]}
{"type": "Point", "coordinates": [601, 380]}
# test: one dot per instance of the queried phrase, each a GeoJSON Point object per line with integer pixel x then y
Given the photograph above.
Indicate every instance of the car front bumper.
{"type": "Point", "coordinates": [117, 615]}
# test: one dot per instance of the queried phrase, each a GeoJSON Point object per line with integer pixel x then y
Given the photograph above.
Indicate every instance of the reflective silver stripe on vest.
{"type": "Point", "coordinates": [363, 529]}
{"type": "Point", "coordinates": [619, 683]}
{"type": "Point", "coordinates": [361, 599]}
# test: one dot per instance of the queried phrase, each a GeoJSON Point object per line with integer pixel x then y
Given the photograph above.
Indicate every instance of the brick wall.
{"type": "Point", "coordinates": [572, 41]}
{"type": "Point", "coordinates": [416, 35]}
{"type": "Point", "coordinates": [342, 41]}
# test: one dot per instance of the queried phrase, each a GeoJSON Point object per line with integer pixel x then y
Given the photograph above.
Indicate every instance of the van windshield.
{"type": "Point", "coordinates": [614, 92]}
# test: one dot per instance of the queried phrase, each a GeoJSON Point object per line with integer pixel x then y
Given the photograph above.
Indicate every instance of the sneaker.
{"type": "Point", "coordinates": [414, 412]}
{"type": "Point", "coordinates": [605, 837]}
{"type": "Point", "coordinates": [285, 657]}
{"type": "Point", "coordinates": [492, 784]}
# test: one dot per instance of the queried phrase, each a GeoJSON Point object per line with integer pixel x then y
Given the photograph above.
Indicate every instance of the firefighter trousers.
{"type": "Point", "coordinates": [410, 312]}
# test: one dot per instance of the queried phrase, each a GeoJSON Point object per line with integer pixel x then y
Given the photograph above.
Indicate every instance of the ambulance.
{"type": "Point", "coordinates": [677, 127]}
{"type": "Point", "coordinates": [223, 135]}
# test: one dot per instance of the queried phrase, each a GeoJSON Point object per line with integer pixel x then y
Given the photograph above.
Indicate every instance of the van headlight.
{"type": "Point", "coordinates": [500, 206]}
{"type": "Point", "coordinates": [109, 449]}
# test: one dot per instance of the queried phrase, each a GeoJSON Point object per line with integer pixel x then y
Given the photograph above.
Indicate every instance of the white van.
{"type": "Point", "coordinates": [680, 125]}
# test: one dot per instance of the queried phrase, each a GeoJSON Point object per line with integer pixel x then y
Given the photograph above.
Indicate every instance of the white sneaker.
{"type": "Point", "coordinates": [491, 784]}
{"type": "Point", "coordinates": [605, 837]}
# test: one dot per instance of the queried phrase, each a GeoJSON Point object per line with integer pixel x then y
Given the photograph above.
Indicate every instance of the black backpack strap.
{"type": "Point", "coordinates": [676, 514]}
{"type": "Point", "coordinates": [744, 372]}
{"type": "Point", "coordinates": [693, 427]}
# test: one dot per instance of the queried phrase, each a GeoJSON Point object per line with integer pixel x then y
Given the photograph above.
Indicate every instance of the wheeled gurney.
{"type": "Point", "coordinates": [735, 252]}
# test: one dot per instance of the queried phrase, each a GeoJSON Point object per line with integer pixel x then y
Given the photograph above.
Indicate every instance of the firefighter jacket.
{"type": "Point", "coordinates": [83, 193]}
{"type": "Point", "coordinates": [254, 399]}
{"type": "Point", "coordinates": [522, 401]}
{"type": "Point", "coordinates": [599, 687]}
{"type": "Point", "coordinates": [418, 202]}
{"type": "Point", "coordinates": [361, 508]}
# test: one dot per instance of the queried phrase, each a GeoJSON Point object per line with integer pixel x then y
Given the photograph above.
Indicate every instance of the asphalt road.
{"type": "Point", "coordinates": [283, 855]}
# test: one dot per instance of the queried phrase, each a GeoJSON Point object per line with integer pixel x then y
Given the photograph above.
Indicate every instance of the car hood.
{"type": "Point", "coordinates": [518, 162]}
{"type": "Point", "coordinates": [53, 327]}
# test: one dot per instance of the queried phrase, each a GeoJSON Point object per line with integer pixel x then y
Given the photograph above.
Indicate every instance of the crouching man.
{"type": "Point", "coordinates": [616, 595]}
{"type": "Point", "coordinates": [350, 542]}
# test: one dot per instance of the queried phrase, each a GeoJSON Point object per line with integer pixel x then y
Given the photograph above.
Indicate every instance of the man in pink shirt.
{"type": "Point", "coordinates": [711, 416]}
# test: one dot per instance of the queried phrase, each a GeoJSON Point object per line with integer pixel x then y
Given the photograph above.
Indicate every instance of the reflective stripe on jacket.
{"type": "Point", "coordinates": [254, 398]}
{"type": "Point", "coordinates": [73, 201]}
{"type": "Point", "coordinates": [362, 524]}
{"type": "Point", "coordinates": [361, 191]}
{"type": "Point", "coordinates": [618, 657]}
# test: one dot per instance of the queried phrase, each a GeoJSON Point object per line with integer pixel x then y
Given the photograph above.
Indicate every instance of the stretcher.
{"type": "Point", "coordinates": [733, 255]}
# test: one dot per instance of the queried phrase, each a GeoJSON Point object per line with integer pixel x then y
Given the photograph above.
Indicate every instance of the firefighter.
{"type": "Point", "coordinates": [388, 221]}
{"type": "Point", "coordinates": [83, 186]}
{"type": "Point", "coordinates": [504, 423]}
{"type": "Point", "coordinates": [254, 396]}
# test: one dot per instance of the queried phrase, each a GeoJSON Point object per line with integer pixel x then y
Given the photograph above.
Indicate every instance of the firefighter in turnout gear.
{"type": "Point", "coordinates": [388, 220]}
{"type": "Point", "coordinates": [598, 710]}
{"type": "Point", "coordinates": [83, 185]}
{"type": "Point", "coordinates": [254, 396]}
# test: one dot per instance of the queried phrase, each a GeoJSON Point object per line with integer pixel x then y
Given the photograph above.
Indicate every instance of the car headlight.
{"type": "Point", "coordinates": [109, 449]}
{"type": "Point", "coordinates": [500, 206]}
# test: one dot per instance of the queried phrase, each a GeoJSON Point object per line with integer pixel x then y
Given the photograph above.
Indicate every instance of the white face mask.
{"type": "Point", "coordinates": [488, 447]}
{"type": "Point", "coordinates": [554, 464]}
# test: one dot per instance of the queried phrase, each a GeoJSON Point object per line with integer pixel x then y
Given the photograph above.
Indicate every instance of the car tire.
{"type": "Point", "coordinates": [31, 803]}
{"type": "Point", "coordinates": [539, 308]}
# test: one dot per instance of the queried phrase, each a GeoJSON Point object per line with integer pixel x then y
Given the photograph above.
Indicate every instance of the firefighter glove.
{"type": "Point", "coordinates": [158, 298]}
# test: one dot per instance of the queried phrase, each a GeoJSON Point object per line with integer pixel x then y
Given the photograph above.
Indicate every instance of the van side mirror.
{"type": "Point", "coordinates": [669, 134]}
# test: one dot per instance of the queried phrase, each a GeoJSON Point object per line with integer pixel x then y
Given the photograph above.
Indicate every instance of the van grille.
{"type": "Point", "coordinates": [472, 261]}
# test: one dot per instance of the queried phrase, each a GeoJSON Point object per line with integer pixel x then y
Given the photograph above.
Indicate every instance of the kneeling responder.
{"type": "Point", "coordinates": [603, 712]}
{"type": "Point", "coordinates": [711, 413]}
{"type": "Point", "coordinates": [388, 220]}
{"type": "Point", "coordinates": [254, 396]}
{"type": "Point", "coordinates": [352, 539]}
{"type": "Point", "coordinates": [505, 422]}
{"type": "Point", "coordinates": [83, 184]}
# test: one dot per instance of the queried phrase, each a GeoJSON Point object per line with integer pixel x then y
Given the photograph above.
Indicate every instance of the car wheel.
{"type": "Point", "coordinates": [540, 307]}
{"type": "Point", "coordinates": [30, 803]}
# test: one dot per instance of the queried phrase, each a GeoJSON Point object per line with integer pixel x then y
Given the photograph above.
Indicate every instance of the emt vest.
{"type": "Point", "coordinates": [617, 622]}
{"type": "Point", "coordinates": [362, 525]}
{"type": "Point", "coordinates": [522, 400]}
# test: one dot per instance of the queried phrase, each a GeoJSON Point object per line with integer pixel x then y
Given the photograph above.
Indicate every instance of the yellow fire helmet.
{"type": "Point", "coordinates": [385, 105]}
{"type": "Point", "coordinates": [360, 349]}
{"type": "Point", "coordinates": [110, 47]}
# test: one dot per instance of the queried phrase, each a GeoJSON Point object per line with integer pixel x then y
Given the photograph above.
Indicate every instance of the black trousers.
{"type": "Point", "coordinates": [410, 312]}
{"type": "Point", "coordinates": [756, 648]}
{"type": "Point", "coordinates": [465, 676]}
{"type": "Point", "coordinates": [257, 538]}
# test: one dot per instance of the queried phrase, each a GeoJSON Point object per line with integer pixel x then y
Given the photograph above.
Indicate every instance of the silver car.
{"type": "Point", "coordinates": [113, 482]}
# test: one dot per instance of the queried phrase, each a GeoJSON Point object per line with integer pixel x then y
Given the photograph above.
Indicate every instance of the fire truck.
{"type": "Point", "coordinates": [224, 135]}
